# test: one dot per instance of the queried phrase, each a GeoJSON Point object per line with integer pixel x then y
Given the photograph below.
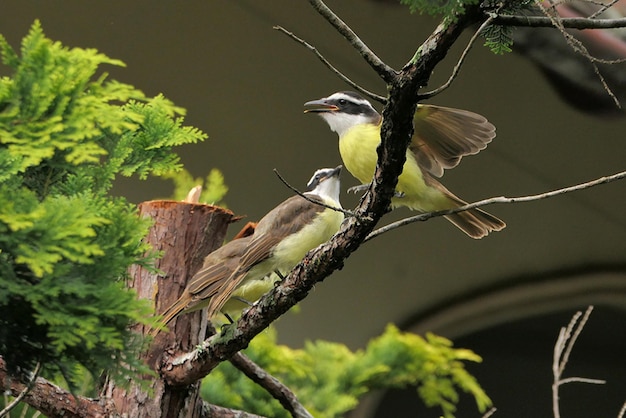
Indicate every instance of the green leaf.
{"type": "Point", "coordinates": [66, 133]}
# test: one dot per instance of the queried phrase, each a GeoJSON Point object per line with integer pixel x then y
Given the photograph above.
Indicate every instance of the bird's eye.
{"type": "Point", "coordinates": [343, 102]}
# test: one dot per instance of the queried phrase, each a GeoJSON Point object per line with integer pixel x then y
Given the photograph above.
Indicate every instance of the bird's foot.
{"type": "Point", "coordinates": [359, 189]}
{"type": "Point", "coordinates": [363, 187]}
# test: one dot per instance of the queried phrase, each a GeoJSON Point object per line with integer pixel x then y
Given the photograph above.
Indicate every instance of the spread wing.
{"type": "Point", "coordinates": [444, 135]}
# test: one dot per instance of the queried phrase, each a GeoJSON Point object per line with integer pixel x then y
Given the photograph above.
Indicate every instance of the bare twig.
{"type": "Point", "coordinates": [331, 67]}
{"type": "Point", "coordinates": [569, 22]}
{"type": "Point", "coordinates": [490, 201]}
{"type": "Point", "coordinates": [384, 71]}
{"type": "Point", "coordinates": [578, 47]}
{"type": "Point", "coordinates": [317, 202]}
{"type": "Point", "coordinates": [23, 393]}
{"type": "Point", "coordinates": [622, 411]}
{"type": "Point", "coordinates": [582, 380]}
{"type": "Point", "coordinates": [603, 8]}
{"type": "Point", "coordinates": [268, 382]}
{"type": "Point", "coordinates": [562, 350]}
{"type": "Point", "coordinates": [457, 67]}
{"type": "Point", "coordinates": [489, 413]}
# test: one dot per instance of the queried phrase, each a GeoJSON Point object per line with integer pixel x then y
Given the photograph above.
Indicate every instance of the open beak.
{"type": "Point", "coordinates": [319, 106]}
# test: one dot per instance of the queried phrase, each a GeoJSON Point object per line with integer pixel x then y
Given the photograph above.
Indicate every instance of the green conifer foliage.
{"type": "Point", "coordinates": [66, 132]}
{"type": "Point", "coordinates": [329, 379]}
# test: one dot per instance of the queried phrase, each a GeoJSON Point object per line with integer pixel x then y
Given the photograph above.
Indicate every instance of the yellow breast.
{"type": "Point", "coordinates": [358, 152]}
{"type": "Point", "coordinates": [293, 248]}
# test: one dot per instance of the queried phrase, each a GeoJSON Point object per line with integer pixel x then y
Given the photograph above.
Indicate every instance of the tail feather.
{"type": "Point", "coordinates": [173, 311]}
{"type": "Point", "coordinates": [476, 223]}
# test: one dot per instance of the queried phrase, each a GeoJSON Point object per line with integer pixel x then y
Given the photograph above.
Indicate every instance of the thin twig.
{"type": "Point", "coordinates": [562, 350]}
{"type": "Point", "coordinates": [603, 8]}
{"type": "Point", "coordinates": [23, 393]}
{"type": "Point", "coordinates": [385, 72]}
{"type": "Point", "coordinates": [580, 48]}
{"type": "Point", "coordinates": [490, 201]}
{"type": "Point", "coordinates": [331, 67]}
{"type": "Point", "coordinates": [272, 385]}
{"type": "Point", "coordinates": [574, 337]}
{"type": "Point", "coordinates": [490, 412]}
{"type": "Point", "coordinates": [567, 22]}
{"type": "Point", "coordinates": [622, 411]}
{"type": "Point", "coordinates": [457, 67]}
{"type": "Point", "coordinates": [317, 202]}
{"type": "Point", "coordinates": [582, 380]}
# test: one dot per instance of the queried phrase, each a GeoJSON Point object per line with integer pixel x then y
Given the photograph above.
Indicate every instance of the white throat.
{"type": "Point", "coordinates": [342, 122]}
{"type": "Point", "coordinates": [329, 190]}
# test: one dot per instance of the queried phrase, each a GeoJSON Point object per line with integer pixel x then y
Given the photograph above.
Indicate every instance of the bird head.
{"type": "Point", "coordinates": [325, 183]}
{"type": "Point", "coordinates": [344, 110]}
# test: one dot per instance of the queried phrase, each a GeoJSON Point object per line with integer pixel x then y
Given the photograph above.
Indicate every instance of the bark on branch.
{"type": "Point", "coordinates": [321, 262]}
{"type": "Point", "coordinates": [52, 400]}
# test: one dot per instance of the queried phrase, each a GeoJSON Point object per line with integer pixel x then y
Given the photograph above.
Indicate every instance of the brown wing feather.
{"type": "Point", "coordinates": [444, 135]}
{"type": "Point", "coordinates": [271, 230]}
{"type": "Point", "coordinates": [217, 267]}
{"type": "Point", "coordinates": [277, 225]}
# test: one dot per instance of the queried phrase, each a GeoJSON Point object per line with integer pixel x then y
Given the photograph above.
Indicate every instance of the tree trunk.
{"type": "Point", "coordinates": [185, 233]}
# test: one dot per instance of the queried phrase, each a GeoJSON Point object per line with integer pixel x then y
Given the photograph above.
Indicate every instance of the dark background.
{"type": "Point", "coordinates": [504, 296]}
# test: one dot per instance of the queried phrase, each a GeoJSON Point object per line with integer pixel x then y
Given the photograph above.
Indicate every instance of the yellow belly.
{"type": "Point", "coordinates": [292, 249]}
{"type": "Point", "coordinates": [250, 291]}
{"type": "Point", "coordinates": [358, 152]}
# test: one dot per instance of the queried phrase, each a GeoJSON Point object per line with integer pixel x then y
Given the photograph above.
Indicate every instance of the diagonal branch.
{"type": "Point", "coordinates": [384, 71]}
{"type": "Point", "coordinates": [268, 382]}
{"type": "Point", "coordinates": [568, 22]}
{"type": "Point", "coordinates": [457, 67]}
{"type": "Point", "coordinates": [307, 198]}
{"type": "Point", "coordinates": [31, 382]}
{"type": "Point", "coordinates": [322, 261]}
{"type": "Point", "coordinates": [50, 399]}
{"type": "Point", "coordinates": [331, 67]}
{"type": "Point", "coordinates": [501, 199]}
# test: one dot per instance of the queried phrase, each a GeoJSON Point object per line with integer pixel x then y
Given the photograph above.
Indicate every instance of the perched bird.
{"type": "Point", "coordinates": [442, 136]}
{"type": "Point", "coordinates": [284, 236]}
{"type": "Point", "coordinates": [277, 243]}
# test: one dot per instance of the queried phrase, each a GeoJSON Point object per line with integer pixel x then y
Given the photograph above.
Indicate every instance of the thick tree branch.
{"type": "Point", "coordinates": [268, 382]}
{"type": "Point", "coordinates": [321, 262]}
{"type": "Point", "coordinates": [50, 399]}
{"type": "Point", "coordinates": [384, 71]}
{"type": "Point", "coordinates": [501, 199]}
{"type": "Point", "coordinates": [569, 22]}
{"type": "Point", "coordinates": [29, 385]}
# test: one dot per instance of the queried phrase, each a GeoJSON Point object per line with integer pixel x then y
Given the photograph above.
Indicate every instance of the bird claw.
{"type": "Point", "coordinates": [359, 189]}
{"type": "Point", "coordinates": [363, 187]}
